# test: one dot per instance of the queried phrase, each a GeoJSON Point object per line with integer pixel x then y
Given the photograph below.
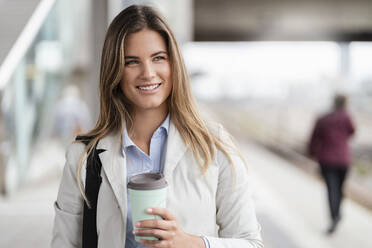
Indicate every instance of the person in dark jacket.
{"type": "Point", "coordinates": [329, 146]}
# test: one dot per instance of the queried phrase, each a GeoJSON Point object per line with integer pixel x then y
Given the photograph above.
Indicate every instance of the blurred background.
{"type": "Point", "coordinates": [264, 69]}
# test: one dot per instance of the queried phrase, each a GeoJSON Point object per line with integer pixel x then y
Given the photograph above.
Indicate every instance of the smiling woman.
{"type": "Point", "coordinates": [149, 122]}
{"type": "Point", "coordinates": [147, 80]}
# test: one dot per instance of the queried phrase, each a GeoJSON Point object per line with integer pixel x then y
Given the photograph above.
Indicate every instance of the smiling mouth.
{"type": "Point", "coordinates": [149, 87]}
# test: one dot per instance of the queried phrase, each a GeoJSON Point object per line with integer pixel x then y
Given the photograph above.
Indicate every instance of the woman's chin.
{"type": "Point", "coordinates": [150, 106]}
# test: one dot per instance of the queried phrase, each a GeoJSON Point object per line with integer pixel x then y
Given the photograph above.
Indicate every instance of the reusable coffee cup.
{"type": "Point", "coordinates": [145, 191]}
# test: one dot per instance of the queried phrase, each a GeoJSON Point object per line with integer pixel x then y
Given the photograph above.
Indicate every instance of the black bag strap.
{"type": "Point", "coordinates": [93, 181]}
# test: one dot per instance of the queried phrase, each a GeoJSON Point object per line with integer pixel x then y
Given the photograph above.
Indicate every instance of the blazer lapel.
{"type": "Point", "coordinates": [176, 149]}
{"type": "Point", "coordinates": [114, 163]}
{"type": "Point", "coordinates": [114, 166]}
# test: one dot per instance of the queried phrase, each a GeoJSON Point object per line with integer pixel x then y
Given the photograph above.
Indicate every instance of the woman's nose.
{"type": "Point", "coordinates": [148, 71]}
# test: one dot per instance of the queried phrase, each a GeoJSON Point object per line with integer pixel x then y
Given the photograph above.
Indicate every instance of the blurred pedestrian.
{"type": "Point", "coordinates": [329, 146]}
{"type": "Point", "coordinates": [72, 116]}
{"type": "Point", "coordinates": [149, 122]}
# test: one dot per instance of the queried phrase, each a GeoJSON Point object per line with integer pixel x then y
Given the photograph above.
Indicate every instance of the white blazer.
{"type": "Point", "coordinates": [214, 205]}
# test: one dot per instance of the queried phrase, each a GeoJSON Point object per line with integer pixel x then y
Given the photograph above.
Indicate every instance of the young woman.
{"type": "Point", "coordinates": [149, 122]}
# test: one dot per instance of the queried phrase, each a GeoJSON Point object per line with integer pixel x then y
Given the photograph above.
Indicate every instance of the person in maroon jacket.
{"type": "Point", "coordinates": [329, 146]}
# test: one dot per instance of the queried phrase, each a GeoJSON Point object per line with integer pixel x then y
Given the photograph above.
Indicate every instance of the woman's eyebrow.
{"type": "Point", "coordinates": [157, 53]}
{"type": "Point", "coordinates": [130, 57]}
{"type": "Point", "coordinates": [152, 55]}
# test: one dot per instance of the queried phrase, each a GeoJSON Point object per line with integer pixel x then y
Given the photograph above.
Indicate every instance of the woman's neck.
{"type": "Point", "coordinates": [145, 122]}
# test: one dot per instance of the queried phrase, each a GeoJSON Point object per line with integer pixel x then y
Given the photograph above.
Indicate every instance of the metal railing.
{"type": "Point", "coordinates": [24, 41]}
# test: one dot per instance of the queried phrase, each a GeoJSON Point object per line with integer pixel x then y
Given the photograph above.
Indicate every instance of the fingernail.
{"type": "Point", "coordinates": [149, 210]}
{"type": "Point", "coordinates": [137, 224]}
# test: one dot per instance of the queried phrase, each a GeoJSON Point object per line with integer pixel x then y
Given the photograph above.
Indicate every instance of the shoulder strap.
{"type": "Point", "coordinates": [92, 184]}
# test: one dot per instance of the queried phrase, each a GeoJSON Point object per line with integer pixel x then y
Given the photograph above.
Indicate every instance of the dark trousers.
{"type": "Point", "coordinates": [334, 177]}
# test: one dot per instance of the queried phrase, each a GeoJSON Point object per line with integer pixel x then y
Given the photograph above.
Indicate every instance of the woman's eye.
{"type": "Point", "coordinates": [158, 58]}
{"type": "Point", "coordinates": [131, 62]}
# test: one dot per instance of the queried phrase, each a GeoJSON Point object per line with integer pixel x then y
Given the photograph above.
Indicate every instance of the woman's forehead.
{"type": "Point", "coordinates": [144, 42]}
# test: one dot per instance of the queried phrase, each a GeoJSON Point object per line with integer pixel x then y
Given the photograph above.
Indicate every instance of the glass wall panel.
{"type": "Point", "coordinates": [29, 99]}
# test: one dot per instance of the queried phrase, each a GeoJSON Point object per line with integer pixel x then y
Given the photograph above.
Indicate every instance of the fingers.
{"type": "Point", "coordinates": [157, 224]}
{"type": "Point", "coordinates": [157, 233]}
{"type": "Point", "coordinates": [165, 229]}
{"type": "Point", "coordinates": [162, 212]}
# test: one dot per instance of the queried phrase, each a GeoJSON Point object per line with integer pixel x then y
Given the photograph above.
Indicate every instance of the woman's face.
{"type": "Point", "coordinates": [147, 80]}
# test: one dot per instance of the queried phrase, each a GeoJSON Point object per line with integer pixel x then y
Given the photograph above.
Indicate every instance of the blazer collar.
{"type": "Point", "coordinates": [114, 162]}
{"type": "Point", "coordinates": [176, 149]}
{"type": "Point", "coordinates": [114, 166]}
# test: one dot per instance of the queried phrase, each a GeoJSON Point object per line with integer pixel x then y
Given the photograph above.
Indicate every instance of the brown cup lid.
{"type": "Point", "coordinates": [147, 181]}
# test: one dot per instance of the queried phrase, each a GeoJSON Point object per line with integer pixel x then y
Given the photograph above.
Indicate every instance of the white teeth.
{"type": "Point", "coordinates": [151, 87]}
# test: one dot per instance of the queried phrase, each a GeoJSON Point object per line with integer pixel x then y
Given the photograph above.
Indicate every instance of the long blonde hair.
{"type": "Point", "coordinates": [115, 108]}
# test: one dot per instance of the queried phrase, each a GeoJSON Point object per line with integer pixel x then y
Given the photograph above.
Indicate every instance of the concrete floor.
{"type": "Point", "coordinates": [294, 208]}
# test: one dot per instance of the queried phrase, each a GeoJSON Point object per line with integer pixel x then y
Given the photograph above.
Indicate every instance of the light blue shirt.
{"type": "Point", "coordinates": [139, 162]}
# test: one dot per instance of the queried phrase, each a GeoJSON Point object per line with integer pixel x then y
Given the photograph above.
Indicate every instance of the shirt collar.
{"type": "Point", "coordinates": [165, 124]}
{"type": "Point", "coordinates": [127, 141]}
